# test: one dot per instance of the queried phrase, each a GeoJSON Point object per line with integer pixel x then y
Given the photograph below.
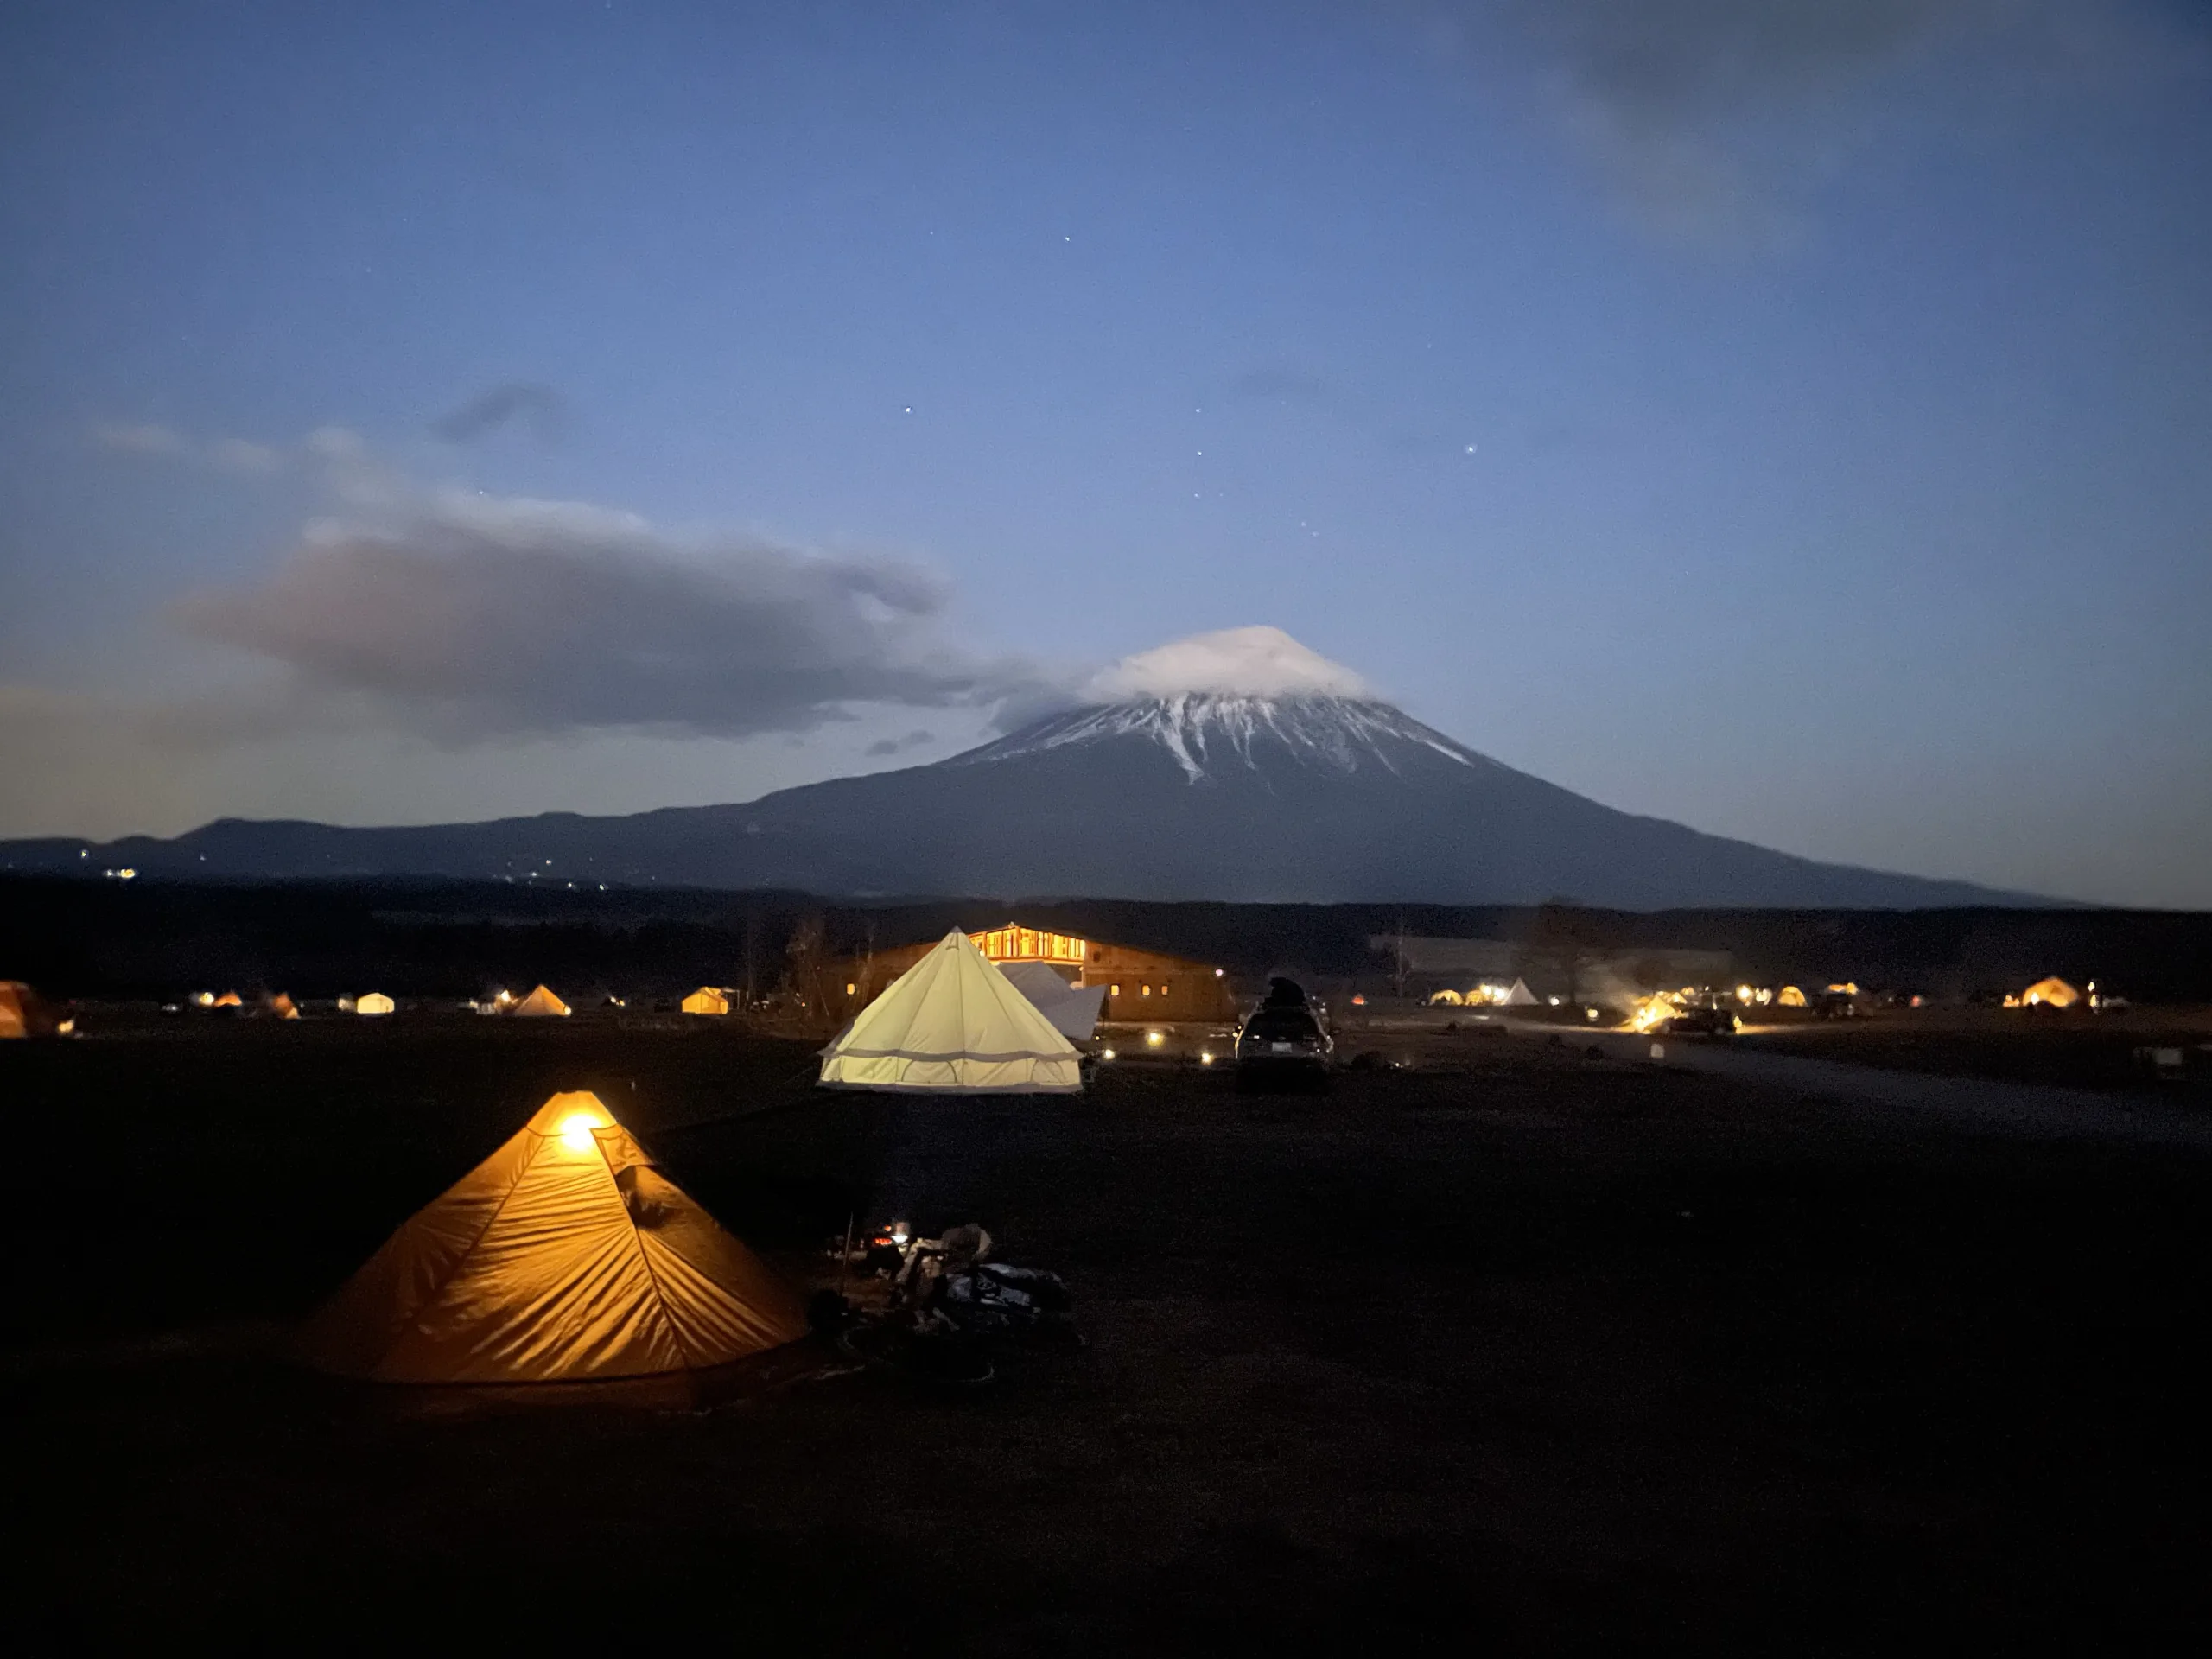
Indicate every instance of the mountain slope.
{"type": "Point", "coordinates": [1299, 797]}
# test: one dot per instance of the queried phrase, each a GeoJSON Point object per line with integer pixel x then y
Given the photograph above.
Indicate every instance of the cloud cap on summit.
{"type": "Point", "coordinates": [1249, 662]}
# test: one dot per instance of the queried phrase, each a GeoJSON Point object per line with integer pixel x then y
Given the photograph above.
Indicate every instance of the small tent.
{"type": "Point", "coordinates": [1789, 997]}
{"type": "Point", "coordinates": [1520, 997]}
{"type": "Point", "coordinates": [953, 1024]}
{"type": "Point", "coordinates": [283, 1007]}
{"type": "Point", "coordinates": [707, 1000]}
{"type": "Point", "coordinates": [565, 1256]}
{"type": "Point", "coordinates": [228, 1000]}
{"type": "Point", "coordinates": [540, 1004]}
{"type": "Point", "coordinates": [23, 1012]}
{"type": "Point", "coordinates": [2052, 993]}
{"type": "Point", "coordinates": [374, 1002]}
{"type": "Point", "coordinates": [1073, 1009]}
{"type": "Point", "coordinates": [1449, 999]}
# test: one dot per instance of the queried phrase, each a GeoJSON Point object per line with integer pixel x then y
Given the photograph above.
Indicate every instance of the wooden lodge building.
{"type": "Point", "coordinates": [1141, 986]}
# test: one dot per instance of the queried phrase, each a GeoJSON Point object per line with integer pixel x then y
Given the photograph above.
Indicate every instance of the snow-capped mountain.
{"type": "Point", "coordinates": [1233, 766]}
{"type": "Point", "coordinates": [1208, 731]}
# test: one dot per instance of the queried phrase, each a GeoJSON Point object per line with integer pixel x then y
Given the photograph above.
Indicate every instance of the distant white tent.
{"type": "Point", "coordinates": [1520, 997]}
{"type": "Point", "coordinates": [1073, 1009]}
{"type": "Point", "coordinates": [953, 1024]}
{"type": "Point", "coordinates": [373, 1002]}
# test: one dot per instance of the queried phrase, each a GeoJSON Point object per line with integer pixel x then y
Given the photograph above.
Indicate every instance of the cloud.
{"type": "Point", "coordinates": [467, 617]}
{"type": "Point", "coordinates": [237, 455]}
{"type": "Point", "coordinates": [1678, 98]}
{"type": "Point", "coordinates": [1711, 118]}
{"type": "Point", "coordinates": [539, 407]}
{"type": "Point", "coordinates": [914, 739]}
{"type": "Point", "coordinates": [1251, 662]}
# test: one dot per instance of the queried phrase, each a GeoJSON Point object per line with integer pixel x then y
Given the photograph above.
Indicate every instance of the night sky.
{"type": "Point", "coordinates": [1792, 420]}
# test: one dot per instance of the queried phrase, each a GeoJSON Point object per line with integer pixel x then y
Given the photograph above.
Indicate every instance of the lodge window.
{"type": "Point", "coordinates": [1113, 990]}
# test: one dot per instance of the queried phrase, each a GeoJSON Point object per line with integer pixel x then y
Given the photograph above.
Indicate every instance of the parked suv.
{"type": "Point", "coordinates": [1284, 1037]}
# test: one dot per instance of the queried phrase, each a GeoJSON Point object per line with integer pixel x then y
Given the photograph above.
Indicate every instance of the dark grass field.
{"type": "Point", "coordinates": [2073, 1049]}
{"type": "Point", "coordinates": [1527, 1349]}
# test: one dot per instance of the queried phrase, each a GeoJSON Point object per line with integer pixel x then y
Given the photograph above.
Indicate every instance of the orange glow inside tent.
{"type": "Point", "coordinates": [541, 1003]}
{"type": "Point", "coordinates": [2051, 992]}
{"type": "Point", "coordinates": [228, 1000]}
{"type": "Point", "coordinates": [565, 1257]}
{"type": "Point", "coordinates": [24, 1014]}
{"type": "Point", "coordinates": [706, 999]}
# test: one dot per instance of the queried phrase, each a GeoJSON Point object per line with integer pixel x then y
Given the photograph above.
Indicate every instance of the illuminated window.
{"type": "Point", "coordinates": [1146, 989]}
{"type": "Point", "coordinates": [1113, 990]}
{"type": "Point", "coordinates": [1163, 988]}
{"type": "Point", "coordinates": [850, 988]}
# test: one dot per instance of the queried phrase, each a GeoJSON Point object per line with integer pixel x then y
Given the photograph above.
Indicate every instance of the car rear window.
{"type": "Point", "coordinates": [1275, 1025]}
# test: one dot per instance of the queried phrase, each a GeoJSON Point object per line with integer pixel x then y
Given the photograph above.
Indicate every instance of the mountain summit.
{"type": "Point", "coordinates": [1237, 765]}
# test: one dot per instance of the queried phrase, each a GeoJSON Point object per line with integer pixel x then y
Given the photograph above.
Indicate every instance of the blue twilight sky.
{"type": "Point", "coordinates": [1793, 419]}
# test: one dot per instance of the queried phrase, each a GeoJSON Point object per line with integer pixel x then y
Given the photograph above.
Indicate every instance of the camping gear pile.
{"type": "Point", "coordinates": [951, 1310]}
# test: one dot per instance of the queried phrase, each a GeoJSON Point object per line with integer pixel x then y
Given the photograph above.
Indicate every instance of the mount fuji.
{"type": "Point", "coordinates": [1237, 765]}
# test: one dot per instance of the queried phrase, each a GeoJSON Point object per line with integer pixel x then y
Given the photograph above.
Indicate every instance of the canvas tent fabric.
{"type": "Point", "coordinates": [1520, 997]}
{"type": "Point", "coordinates": [953, 1024]}
{"type": "Point", "coordinates": [283, 1007]}
{"type": "Point", "coordinates": [540, 1004]}
{"type": "Point", "coordinates": [374, 1002]}
{"type": "Point", "coordinates": [706, 999]}
{"type": "Point", "coordinates": [24, 1012]}
{"type": "Point", "coordinates": [1073, 1009]}
{"type": "Point", "coordinates": [2051, 992]}
{"type": "Point", "coordinates": [565, 1256]}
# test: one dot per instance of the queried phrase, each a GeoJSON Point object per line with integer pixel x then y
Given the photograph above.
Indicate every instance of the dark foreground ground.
{"type": "Point", "coordinates": [1531, 1351]}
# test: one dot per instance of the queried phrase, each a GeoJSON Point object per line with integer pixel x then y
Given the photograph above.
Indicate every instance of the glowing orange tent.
{"type": "Point", "coordinates": [2052, 993]}
{"type": "Point", "coordinates": [565, 1256]}
{"type": "Point", "coordinates": [228, 1000]}
{"type": "Point", "coordinates": [540, 1004]}
{"type": "Point", "coordinates": [23, 1012]}
{"type": "Point", "coordinates": [283, 1007]}
{"type": "Point", "coordinates": [707, 1000]}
